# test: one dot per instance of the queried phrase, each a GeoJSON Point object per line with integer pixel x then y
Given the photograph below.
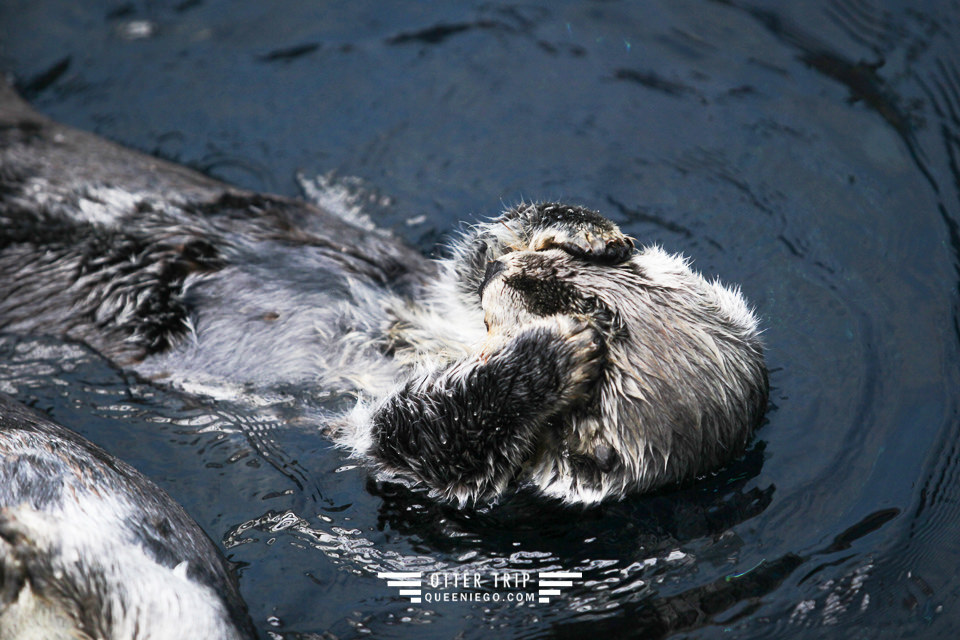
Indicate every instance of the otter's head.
{"type": "Point", "coordinates": [683, 384]}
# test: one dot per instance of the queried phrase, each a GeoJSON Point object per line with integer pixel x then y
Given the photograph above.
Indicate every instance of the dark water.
{"type": "Point", "coordinates": [810, 151]}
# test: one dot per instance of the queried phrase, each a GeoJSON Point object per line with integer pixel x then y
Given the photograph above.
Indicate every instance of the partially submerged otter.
{"type": "Point", "coordinates": [544, 351]}
{"type": "Point", "coordinates": [90, 548]}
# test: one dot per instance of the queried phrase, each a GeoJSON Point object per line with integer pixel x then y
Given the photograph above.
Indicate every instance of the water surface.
{"type": "Point", "coordinates": [808, 151]}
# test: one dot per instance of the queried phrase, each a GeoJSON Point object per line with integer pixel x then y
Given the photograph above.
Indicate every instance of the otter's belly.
{"type": "Point", "coordinates": [280, 318]}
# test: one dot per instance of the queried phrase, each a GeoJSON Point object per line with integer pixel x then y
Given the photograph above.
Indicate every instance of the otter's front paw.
{"type": "Point", "coordinates": [574, 347]}
{"type": "Point", "coordinates": [580, 232]}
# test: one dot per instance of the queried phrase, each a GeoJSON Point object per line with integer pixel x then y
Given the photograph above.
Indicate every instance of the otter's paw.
{"type": "Point", "coordinates": [580, 232]}
{"type": "Point", "coordinates": [577, 349]}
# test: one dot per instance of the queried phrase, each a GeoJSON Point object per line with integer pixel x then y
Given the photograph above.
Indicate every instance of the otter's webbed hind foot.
{"type": "Point", "coordinates": [582, 233]}
{"type": "Point", "coordinates": [465, 430]}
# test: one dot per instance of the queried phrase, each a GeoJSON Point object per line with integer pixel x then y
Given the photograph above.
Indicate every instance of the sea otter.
{"type": "Point", "coordinates": [546, 350]}
{"type": "Point", "coordinates": [90, 548]}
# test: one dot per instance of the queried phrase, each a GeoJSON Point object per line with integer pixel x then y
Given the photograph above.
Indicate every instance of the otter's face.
{"type": "Point", "coordinates": [525, 285]}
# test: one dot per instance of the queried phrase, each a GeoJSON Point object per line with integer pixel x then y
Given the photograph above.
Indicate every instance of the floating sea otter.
{"type": "Point", "coordinates": [89, 548]}
{"type": "Point", "coordinates": [545, 350]}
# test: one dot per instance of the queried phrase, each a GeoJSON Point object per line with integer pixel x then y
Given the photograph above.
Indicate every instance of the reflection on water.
{"type": "Point", "coordinates": [806, 150]}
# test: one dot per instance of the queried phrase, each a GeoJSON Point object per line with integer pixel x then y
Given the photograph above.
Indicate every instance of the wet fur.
{"type": "Point", "coordinates": [545, 351]}
{"type": "Point", "coordinates": [603, 371]}
{"type": "Point", "coordinates": [89, 548]}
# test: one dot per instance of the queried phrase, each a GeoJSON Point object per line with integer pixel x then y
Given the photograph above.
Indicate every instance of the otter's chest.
{"type": "Point", "coordinates": [275, 317]}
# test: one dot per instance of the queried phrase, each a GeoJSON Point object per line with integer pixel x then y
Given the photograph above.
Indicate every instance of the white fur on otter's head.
{"type": "Point", "coordinates": [683, 383]}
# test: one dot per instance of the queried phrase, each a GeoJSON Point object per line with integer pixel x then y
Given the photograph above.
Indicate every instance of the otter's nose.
{"type": "Point", "coordinates": [493, 268]}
